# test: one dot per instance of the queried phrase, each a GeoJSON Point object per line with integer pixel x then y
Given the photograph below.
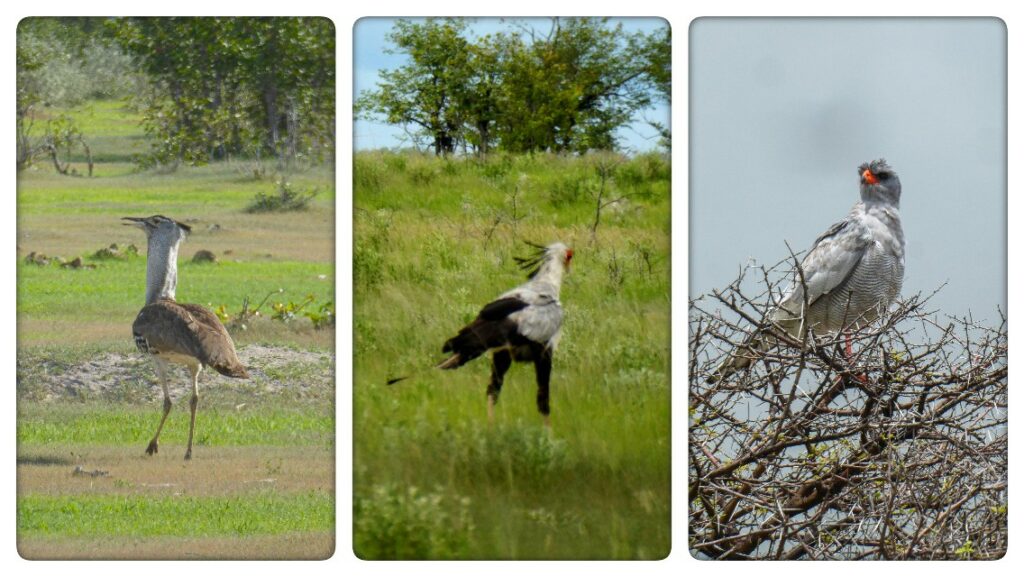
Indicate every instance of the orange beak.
{"type": "Point", "coordinates": [868, 176]}
{"type": "Point", "coordinates": [568, 257]}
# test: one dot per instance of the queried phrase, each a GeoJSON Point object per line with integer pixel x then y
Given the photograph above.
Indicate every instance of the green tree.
{"type": "Point", "coordinates": [427, 92]}
{"type": "Point", "coordinates": [573, 88]}
{"type": "Point", "coordinates": [568, 90]}
{"type": "Point", "coordinates": [234, 86]}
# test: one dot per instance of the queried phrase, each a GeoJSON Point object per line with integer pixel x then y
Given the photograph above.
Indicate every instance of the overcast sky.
{"type": "Point", "coordinates": [782, 111]}
{"type": "Point", "coordinates": [370, 42]}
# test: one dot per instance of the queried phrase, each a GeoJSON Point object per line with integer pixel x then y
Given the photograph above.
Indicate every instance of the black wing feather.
{"type": "Point", "coordinates": [501, 308]}
{"type": "Point", "coordinates": [490, 329]}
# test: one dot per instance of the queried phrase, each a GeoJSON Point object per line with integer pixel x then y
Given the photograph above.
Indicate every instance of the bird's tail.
{"type": "Point", "coordinates": [235, 370]}
{"type": "Point", "coordinates": [470, 343]}
{"type": "Point", "coordinates": [452, 362]}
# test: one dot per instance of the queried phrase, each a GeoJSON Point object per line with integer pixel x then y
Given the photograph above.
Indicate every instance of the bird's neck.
{"type": "Point", "coordinates": [161, 269]}
{"type": "Point", "coordinates": [873, 198]}
{"type": "Point", "coordinates": [551, 274]}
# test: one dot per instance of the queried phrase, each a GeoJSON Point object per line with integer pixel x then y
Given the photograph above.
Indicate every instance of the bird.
{"type": "Point", "coordinates": [523, 325]}
{"type": "Point", "coordinates": [852, 272]}
{"type": "Point", "coordinates": [177, 333]}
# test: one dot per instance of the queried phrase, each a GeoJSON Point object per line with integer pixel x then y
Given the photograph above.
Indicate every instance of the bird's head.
{"type": "Point", "coordinates": [878, 182]}
{"type": "Point", "coordinates": [159, 224]}
{"type": "Point", "coordinates": [553, 253]}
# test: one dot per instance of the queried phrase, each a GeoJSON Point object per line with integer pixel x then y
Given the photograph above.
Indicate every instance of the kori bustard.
{"type": "Point", "coordinates": [173, 332]}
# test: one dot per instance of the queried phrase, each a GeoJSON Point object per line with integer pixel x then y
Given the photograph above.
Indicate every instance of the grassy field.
{"type": "Point", "coordinates": [434, 241]}
{"type": "Point", "coordinates": [261, 482]}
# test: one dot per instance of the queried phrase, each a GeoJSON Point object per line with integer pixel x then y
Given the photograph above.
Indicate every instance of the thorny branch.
{"type": "Point", "coordinates": [801, 457]}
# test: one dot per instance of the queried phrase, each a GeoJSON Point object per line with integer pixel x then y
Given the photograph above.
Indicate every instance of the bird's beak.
{"type": "Point", "coordinates": [868, 176]}
{"type": "Point", "coordinates": [133, 221]}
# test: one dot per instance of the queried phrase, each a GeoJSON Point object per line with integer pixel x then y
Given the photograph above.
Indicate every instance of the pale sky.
{"type": "Point", "coordinates": [784, 110]}
{"type": "Point", "coordinates": [369, 39]}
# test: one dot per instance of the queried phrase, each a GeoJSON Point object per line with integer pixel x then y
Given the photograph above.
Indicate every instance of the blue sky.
{"type": "Point", "coordinates": [370, 42]}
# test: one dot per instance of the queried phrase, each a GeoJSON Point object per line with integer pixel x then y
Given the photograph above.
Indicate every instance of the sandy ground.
{"type": "Point", "coordinates": [105, 470]}
{"type": "Point", "coordinates": [109, 375]}
{"type": "Point", "coordinates": [312, 546]}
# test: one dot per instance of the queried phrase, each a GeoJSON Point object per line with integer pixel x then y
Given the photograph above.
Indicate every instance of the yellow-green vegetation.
{"type": "Point", "coordinates": [434, 241]}
{"type": "Point", "coordinates": [261, 481]}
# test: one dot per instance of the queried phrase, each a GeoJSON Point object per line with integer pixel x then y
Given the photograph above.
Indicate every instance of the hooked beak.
{"type": "Point", "coordinates": [868, 176]}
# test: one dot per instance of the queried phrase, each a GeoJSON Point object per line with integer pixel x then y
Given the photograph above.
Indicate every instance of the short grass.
{"type": "Point", "coordinates": [434, 242]}
{"type": "Point", "coordinates": [115, 290]}
{"type": "Point", "coordinates": [261, 481]}
{"type": "Point", "coordinates": [146, 516]}
{"type": "Point", "coordinates": [106, 424]}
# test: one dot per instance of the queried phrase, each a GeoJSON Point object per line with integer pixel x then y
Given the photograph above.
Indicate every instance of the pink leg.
{"type": "Point", "coordinates": [849, 358]}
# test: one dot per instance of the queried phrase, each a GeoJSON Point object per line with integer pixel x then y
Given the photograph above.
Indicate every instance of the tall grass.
{"type": "Point", "coordinates": [430, 251]}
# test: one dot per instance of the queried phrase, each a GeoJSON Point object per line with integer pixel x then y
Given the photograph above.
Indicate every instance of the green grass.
{"type": "Point", "coordinates": [598, 487]}
{"type": "Point", "coordinates": [152, 516]}
{"type": "Point", "coordinates": [222, 185]}
{"type": "Point", "coordinates": [125, 425]}
{"type": "Point", "coordinates": [116, 288]}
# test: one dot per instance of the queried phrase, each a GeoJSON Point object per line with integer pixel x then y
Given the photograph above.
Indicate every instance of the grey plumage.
{"type": "Point", "coordinates": [852, 272]}
{"type": "Point", "coordinates": [173, 332]}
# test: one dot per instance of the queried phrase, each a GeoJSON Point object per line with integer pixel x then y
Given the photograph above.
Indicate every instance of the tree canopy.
{"type": "Point", "coordinates": [235, 85]}
{"type": "Point", "coordinates": [208, 88]}
{"type": "Point", "coordinates": [566, 90]}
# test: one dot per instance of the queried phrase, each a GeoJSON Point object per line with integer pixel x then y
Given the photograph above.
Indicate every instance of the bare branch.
{"type": "Point", "coordinates": [798, 457]}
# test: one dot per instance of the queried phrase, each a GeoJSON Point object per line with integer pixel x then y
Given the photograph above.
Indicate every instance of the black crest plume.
{"type": "Point", "coordinates": [534, 261]}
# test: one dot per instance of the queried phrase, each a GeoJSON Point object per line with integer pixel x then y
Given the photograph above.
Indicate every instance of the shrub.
{"type": "Point", "coordinates": [284, 200]}
{"type": "Point", "coordinates": [404, 523]}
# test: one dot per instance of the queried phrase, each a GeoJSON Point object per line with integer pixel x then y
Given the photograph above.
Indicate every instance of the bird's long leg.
{"type": "Point", "coordinates": [161, 373]}
{"type": "Point", "coordinates": [849, 357]}
{"type": "Point", "coordinates": [542, 364]}
{"type": "Point", "coordinates": [500, 362]}
{"type": "Point", "coordinates": [193, 403]}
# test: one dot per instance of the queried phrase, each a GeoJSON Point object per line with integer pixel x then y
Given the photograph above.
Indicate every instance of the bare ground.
{"type": "Point", "coordinates": [312, 546]}
{"type": "Point", "coordinates": [215, 471]}
{"type": "Point", "coordinates": [116, 375]}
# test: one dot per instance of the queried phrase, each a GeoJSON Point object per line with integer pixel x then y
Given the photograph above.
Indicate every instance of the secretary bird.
{"type": "Point", "coordinates": [523, 325]}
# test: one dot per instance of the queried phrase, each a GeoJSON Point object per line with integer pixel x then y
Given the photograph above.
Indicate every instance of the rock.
{"type": "Point", "coordinates": [204, 255]}
{"type": "Point", "coordinates": [38, 259]}
{"type": "Point", "coordinates": [80, 472]}
{"type": "Point", "coordinates": [77, 263]}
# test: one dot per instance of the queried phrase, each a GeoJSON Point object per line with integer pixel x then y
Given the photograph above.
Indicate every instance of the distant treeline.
{"type": "Point", "coordinates": [566, 89]}
{"type": "Point", "coordinates": [208, 88]}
